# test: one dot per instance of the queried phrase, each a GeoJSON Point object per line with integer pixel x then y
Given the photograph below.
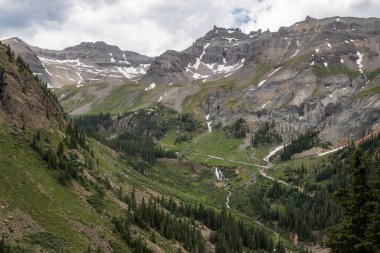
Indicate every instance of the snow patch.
{"type": "Point", "coordinates": [341, 60]}
{"type": "Point", "coordinates": [262, 82]}
{"type": "Point", "coordinates": [198, 60]}
{"type": "Point", "coordinates": [80, 77]}
{"type": "Point", "coordinates": [326, 64]}
{"type": "Point", "coordinates": [337, 19]}
{"type": "Point", "coordinates": [161, 97]}
{"type": "Point", "coordinates": [125, 60]}
{"type": "Point", "coordinates": [312, 63]}
{"type": "Point", "coordinates": [359, 61]}
{"type": "Point", "coordinates": [294, 54]}
{"type": "Point", "coordinates": [328, 44]}
{"type": "Point", "coordinates": [317, 50]}
{"type": "Point", "coordinates": [47, 71]}
{"type": "Point", "coordinates": [151, 87]}
{"type": "Point", "coordinates": [266, 103]}
{"type": "Point", "coordinates": [112, 59]}
{"type": "Point", "coordinates": [130, 72]}
{"type": "Point", "coordinates": [271, 74]}
{"type": "Point", "coordinates": [298, 44]}
{"type": "Point", "coordinates": [231, 39]}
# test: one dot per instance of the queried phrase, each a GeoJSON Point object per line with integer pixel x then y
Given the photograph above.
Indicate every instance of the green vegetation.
{"type": "Point", "coordinates": [238, 130]}
{"type": "Point", "coordinates": [193, 103]}
{"type": "Point", "coordinates": [75, 194]}
{"type": "Point", "coordinates": [368, 91]}
{"type": "Point", "coordinates": [260, 73]}
{"type": "Point", "coordinates": [358, 231]}
{"type": "Point", "coordinates": [372, 75]}
{"type": "Point", "coordinates": [265, 135]}
{"type": "Point", "coordinates": [335, 69]}
{"type": "Point", "coordinates": [303, 142]}
{"type": "Point", "coordinates": [229, 234]}
{"type": "Point", "coordinates": [68, 163]}
{"type": "Point", "coordinates": [167, 224]}
{"type": "Point", "coordinates": [6, 247]}
{"type": "Point", "coordinates": [48, 241]}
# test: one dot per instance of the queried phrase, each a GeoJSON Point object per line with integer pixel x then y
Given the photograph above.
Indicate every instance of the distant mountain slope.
{"type": "Point", "coordinates": [316, 74]}
{"type": "Point", "coordinates": [84, 63]}
{"type": "Point", "coordinates": [229, 53]}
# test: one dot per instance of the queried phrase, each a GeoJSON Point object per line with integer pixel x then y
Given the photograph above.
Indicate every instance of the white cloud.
{"type": "Point", "coordinates": [153, 26]}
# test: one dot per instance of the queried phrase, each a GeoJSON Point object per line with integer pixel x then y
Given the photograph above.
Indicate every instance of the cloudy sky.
{"type": "Point", "coordinates": [153, 26]}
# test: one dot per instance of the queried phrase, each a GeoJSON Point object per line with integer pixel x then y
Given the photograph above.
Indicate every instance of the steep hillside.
{"type": "Point", "coordinates": [24, 50]}
{"type": "Point", "coordinates": [24, 100]}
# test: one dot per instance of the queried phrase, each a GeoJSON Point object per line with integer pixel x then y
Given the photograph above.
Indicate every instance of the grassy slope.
{"type": "Point", "coordinates": [168, 177]}
{"type": "Point", "coordinates": [26, 184]}
{"type": "Point", "coordinates": [108, 97]}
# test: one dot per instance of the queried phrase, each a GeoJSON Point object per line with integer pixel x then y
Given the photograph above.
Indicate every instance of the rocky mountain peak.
{"type": "Point", "coordinates": [87, 62]}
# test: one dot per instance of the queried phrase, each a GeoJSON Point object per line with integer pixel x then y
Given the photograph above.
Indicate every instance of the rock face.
{"type": "Point", "coordinates": [222, 53]}
{"type": "Point", "coordinates": [85, 63]}
{"type": "Point", "coordinates": [321, 78]}
{"type": "Point", "coordinates": [313, 74]}
{"type": "Point", "coordinates": [218, 54]}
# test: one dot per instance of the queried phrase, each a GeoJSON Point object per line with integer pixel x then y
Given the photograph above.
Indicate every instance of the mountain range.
{"type": "Point", "coordinates": [235, 144]}
{"type": "Point", "coordinates": [328, 67]}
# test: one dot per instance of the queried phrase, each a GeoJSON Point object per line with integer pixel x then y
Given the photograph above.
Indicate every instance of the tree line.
{"type": "Point", "coordinates": [266, 134]}
{"type": "Point", "coordinates": [359, 228]}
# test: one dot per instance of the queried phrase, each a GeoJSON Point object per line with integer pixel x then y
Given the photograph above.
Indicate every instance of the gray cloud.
{"type": "Point", "coordinates": [24, 13]}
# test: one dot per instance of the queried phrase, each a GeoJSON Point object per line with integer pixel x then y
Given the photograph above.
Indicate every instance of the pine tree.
{"type": "Point", "coordinates": [349, 234]}
{"type": "Point", "coordinates": [280, 247]}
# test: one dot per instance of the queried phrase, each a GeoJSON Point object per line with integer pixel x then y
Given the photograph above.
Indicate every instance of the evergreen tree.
{"type": "Point", "coordinates": [280, 247]}
{"type": "Point", "coordinates": [350, 234]}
